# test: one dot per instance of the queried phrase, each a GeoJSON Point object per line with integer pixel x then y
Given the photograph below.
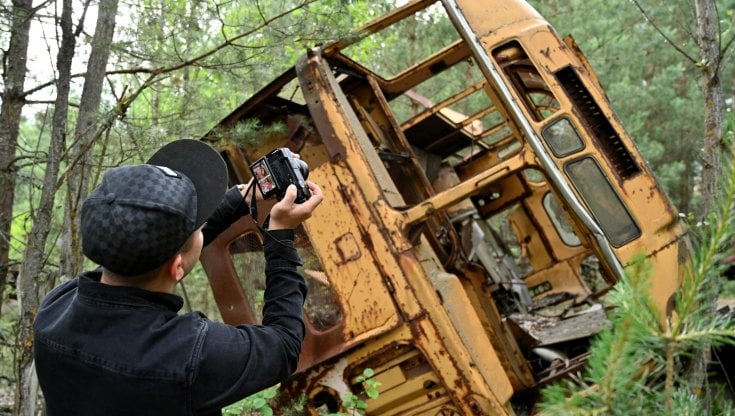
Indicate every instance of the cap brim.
{"type": "Point", "coordinates": [203, 165]}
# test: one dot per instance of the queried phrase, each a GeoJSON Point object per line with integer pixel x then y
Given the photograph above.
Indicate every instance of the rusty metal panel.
{"type": "Point", "coordinates": [490, 16]}
{"type": "Point", "coordinates": [346, 253]}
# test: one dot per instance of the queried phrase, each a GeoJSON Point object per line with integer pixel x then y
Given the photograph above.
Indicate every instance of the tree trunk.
{"type": "Point", "coordinates": [14, 76]}
{"type": "Point", "coordinates": [78, 176]}
{"type": "Point", "coordinates": [714, 102]}
{"type": "Point", "coordinates": [714, 146]}
{"type": "Point", "coordinates": [33, 282]}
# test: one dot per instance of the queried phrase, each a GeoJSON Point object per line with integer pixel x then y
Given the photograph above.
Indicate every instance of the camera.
{"type": "Point", "coordinates": [278, 169]}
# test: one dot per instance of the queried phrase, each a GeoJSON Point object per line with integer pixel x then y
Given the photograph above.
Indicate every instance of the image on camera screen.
{"type": "Point", "coordinates": [264, 177]}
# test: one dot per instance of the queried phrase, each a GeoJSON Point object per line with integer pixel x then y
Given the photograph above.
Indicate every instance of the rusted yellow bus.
{"type": "Point", "coordinates": [466, 236]}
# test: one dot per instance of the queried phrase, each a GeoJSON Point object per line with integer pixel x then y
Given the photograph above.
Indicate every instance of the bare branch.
{"type": "Point", "coordinates": [188, 62]}
{"type": "Point", "coordinates": [723, 52]}
{"type": "Point", "coordinates": [49, 102]}
{"type": "Point", "coordinates": [682, 23]}
{"type": "Point", "coordinates": [40, 6]}
{"type": "Point", "coordinates": [221, 20]}
{"type": "Point", "coordinates": [154, 76]}
{"type": "Point", "coordinates": [260, 10]}
{"type": "Point", "coordinates": [658, 29]}
{"type": "Point", "coordinates": [80, 26]}
{"type": "Point", "coordinates": [229, 42]}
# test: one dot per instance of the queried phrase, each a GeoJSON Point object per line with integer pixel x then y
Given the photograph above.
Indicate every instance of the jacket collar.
{"type": "Point", "coordinates": [91, 287]}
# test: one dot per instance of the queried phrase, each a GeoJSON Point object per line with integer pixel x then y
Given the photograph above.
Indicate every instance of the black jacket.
{"type": "Point", "coordinates": [111, 350]}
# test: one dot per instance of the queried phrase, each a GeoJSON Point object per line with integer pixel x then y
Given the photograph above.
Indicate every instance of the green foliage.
{"type": "Point", "coordinates": [638, 366]}
{"type": "Point", "coordinates": [262, 404]}
{"type": "Point", "coordinates": [248, 132]}
{"type": "Point", "coordinates": [728, 289]}
{"type": "Point", "coordinates": [261, 41]}
{"type": "Point", "coordinates": [354, 403]}
{"type": "Point", "coordinates": [257, 404]}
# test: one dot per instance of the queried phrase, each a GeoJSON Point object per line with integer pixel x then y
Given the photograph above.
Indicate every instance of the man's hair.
{"type": "Point", "coordinates": [146, 277]}
{"type": "Point", "coordinates": [188, 243]}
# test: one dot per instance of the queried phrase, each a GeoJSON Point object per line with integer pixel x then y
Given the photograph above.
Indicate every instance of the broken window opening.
{"type": "Point", "coordinates": [529, 85]}
{"type": "Point", "coordinates": [292, 92]}
{"type": "Point", "coordinates": [390, 52]}
{"type": "Point", "coordinates": [249, 262]}
{"type": "Point", "coordinates": [593, 275]}
{"type": "Point", "coordinates": [451, 118]}
{"type": "Point", "coordinates": [560, 221]}
{"type": "Point", "coordinates": [321, 307]}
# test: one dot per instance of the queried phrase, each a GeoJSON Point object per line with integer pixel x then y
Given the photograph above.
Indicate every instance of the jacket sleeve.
{"type": "Point", "coordinates": [237, 361]}
{"type": "Point", "coordinates": [231, 209]}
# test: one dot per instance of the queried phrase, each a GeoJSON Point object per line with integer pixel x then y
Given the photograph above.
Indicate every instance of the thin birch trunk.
{"type": "Point", "coordinates": [33, 281]}
{"type": "Point", "coordinates": [13, 101]}
{"type": "Point", "coordinates": [714, 100]}
{"type": "Point", "coordinates": [87, 120]}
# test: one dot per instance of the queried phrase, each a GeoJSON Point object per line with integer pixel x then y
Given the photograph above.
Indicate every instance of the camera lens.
{"type": "Point", "coordinates": [302, 167]}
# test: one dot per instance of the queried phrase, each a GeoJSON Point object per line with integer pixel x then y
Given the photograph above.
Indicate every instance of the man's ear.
{"type": "Point", "coordinates": [176, 267]}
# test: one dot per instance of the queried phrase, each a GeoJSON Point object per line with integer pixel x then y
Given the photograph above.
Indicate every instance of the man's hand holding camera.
{"type": "Point", "coordinates": [287, 214]}
{"type": "Point", "coordinates": [295, 205]}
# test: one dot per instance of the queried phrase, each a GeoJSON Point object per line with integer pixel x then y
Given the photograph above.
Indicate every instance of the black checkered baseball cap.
{"type": "Point", "coordinates": [141, 215]}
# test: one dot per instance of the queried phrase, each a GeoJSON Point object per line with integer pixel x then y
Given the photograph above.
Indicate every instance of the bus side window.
{"type": "Point", "coordinates": [604, 204]}
{"type": "Point", "coordinates": [561, 223]}
{"type": "Point", "coordinates": [538, 99]}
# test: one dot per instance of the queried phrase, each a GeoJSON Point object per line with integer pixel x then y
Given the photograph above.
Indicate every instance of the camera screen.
{"type": "Point", "coordinates": [263, 176]}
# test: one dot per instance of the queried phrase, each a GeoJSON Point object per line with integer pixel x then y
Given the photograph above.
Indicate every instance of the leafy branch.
{"type": "Point", "coordinates": [353, 402]}
{"type": "Point", "coordinates": [159, 72]}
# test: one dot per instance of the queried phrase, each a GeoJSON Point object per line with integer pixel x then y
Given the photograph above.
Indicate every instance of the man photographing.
{"type": "Point", "coordinates": [111, 342]}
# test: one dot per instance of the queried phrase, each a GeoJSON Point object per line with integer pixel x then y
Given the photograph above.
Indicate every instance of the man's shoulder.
{"type": "Point", "coordinates": [60, 291]}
